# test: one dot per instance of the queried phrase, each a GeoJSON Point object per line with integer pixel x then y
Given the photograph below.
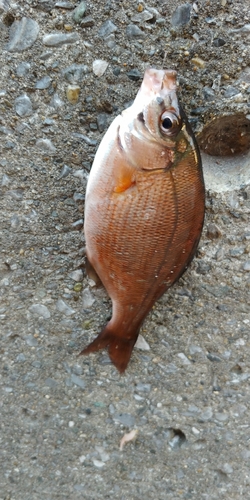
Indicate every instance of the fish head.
{"type": "Point", "coordinates": [156, 120]}
{"type": "Point", "coordinates": [158, 106]}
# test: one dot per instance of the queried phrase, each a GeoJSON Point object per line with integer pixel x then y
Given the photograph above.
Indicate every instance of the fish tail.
{"type": "Point", "coordinates": [119, 349]}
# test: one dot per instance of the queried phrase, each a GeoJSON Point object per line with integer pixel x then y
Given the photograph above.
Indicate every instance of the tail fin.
{"type": "Point", "coordinates": [119, 349]}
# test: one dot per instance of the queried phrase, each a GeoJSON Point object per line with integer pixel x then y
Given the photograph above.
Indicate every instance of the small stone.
{"type": "Point", "coordinates": [107, 28]}
{"type": "Point", "coordinates": [231, 91]}
{"type": "Point", "coordinates": [20, 358]}
{"type": "Point", "coordinates": [184, 358]}
{"type": "Point", "coordinates": [220, 254]}
{"type": "Point", "coordinates": [236, 252]}
{"type": "Point", "coordinates": [82, 459]}
{"type": "Point", "coordinates": [77, 225]}
{"type": "Point", "coordinates": [203, 268]}
{"type": "Point", "coordinates": [75, 73]}
{"type": "Point", "coordinates": [71, 423]}
{"type": "Point", "coordinates": [208, 93]}
{"type": "Point", "coordinates": [4, 5]}
{"type": "Point", "coordinates": [197, 61]}
{"type": "Point", "coordinates": [76, 275]}
{"type": "Point", "coordinates": [31, 341]}
{"type": "Point", "coordinates": [87, 298]}
{"type": "Point", "coordinates": [40, 310]}
{"type": "Point", "coordinates": [79, 12]}
{"type": "Point", "coordinates": [206, 415]}
{"type": "Point", "coordinates": [181, 15]}
{"type": "Point", "coordinates": [44, 83]}
{"type": "Point", "coordinates": [23, 105]}
{"type": "Point", "coordinates": [246, 266]}
{"type": "Point", "coordinates": [77, 287]}
{"type": "Point", "coordinates": [22, 69]}
{"type": "Point", "coordinates": [125, 419]}
{"type": "Point", "coordinates": [56, 102]}
{"type": "Point", "coordinates": [78, 381]}
{"type": "Point", "coordinates": [64, 308]}
{"type": "Point", "coordinates": [218, 42]}
{"type": "Point", "coordinates": [65, 172]}
{"type": "Point", "coordinates": [99, 67]}
{"type": "Point", "coordinates": [142, 17]}
{"type": "Point", "coordinates": [142, 344]}
{"type": "Point", "coordinates": [213, 232]}
{"type": "Point", "coordinates": [98, 463]}
{"type": "Point", "coordinates": [64, 5]}
{"type": "Point", "coordinates": [46, 145]}
{"type": "Point", "coordinates": [50, 382]}
{"type": "Point", "coordinates": [143, 387]}
{"type": "Point", "coordinates": [72, 93]}
{"type": "Point", "coordinates": [23, 35]}
{"type": "Point", "coordinates": [134, 31]}
{"type": "Point", "coordinates": [134, 74]}
{"type": "Point", "coordinates": [101, 122]}
{"type": "Point", "coordinates": [87, 22]}
{"type": "Point", "coordinates": [58, 39]}
{"type": "Point", "coordinates": [5, 180]}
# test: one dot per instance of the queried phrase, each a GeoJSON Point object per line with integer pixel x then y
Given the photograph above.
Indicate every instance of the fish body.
{"type": "Point", "coordinates": [144, 209]}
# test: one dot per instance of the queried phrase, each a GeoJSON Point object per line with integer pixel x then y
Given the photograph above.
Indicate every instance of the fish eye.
{"type": "Point", "coordinates": [169, 123]}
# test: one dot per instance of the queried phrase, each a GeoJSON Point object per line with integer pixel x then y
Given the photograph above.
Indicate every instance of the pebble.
{"type": "Point", "coordinates": [43, 83]}
{"type": "Point", "coordinates": [203, 268]}
{"type": "Point", "coordinates": [57, 39]}
{"type": "Point", "coordinates": [219, 42]}
{"type": "Point", "coordinates": [181, 15]}
{"type": "Point", "coordinates": [184, 358]}
{"type": "Point", "coordinates": [56, 102]}
{"type": "Point", "coordinates": [87, 22]}
{"type": "Point", "coordinates": [23, 69]}
{"type": "Point", "coordinates": [125, 419]}
{"type": "Point", "coordinates": [77, 225]}
{"type": "Point", "coordinates": [142, 344]}
{"type": "Point", "coordinates": [206, 415]}
{"type": "Point", "coordinates": [40, 310]}
{"type": "Point", "coordinates": [142, 17]}
{"type": "Point", "coordinates": [99, 67]}
{"type": "Point", "coordinates": [74, 73]}
{"type": "Point", "coordinates": [64, 308]}
{"type": "Point", "coordinates": [4, 5]}
{"type": "Point", "coordinates": [31, 341]}
{"type": "Point", "coordinates": [143, 387]}
{"type": "Point", "coordinates": [23, 105]}
{"type": "Point", "coordinates": [72, 93]}
{"type": "Point", "coordinates": [134, 74]}
{"type": "Point", "coordinates": [231, 91]}
{"type": "Point", "coordinates": [76, 275]}
{"type": "Point", "coordinates": [78, 381]}
{"type": "Point", "coordinates": [79, 12]}
{"type": "Point", "coordinates": [107, 28]}
{"type": "Point", "coordinates": [23, 35]}
{"type": "Point", "coordinates": [246, 266]}
{"type": "Point", "coordinates": [64, 5]}
{"type": "Point", "coordinates": [46, 145]}
{"type": "Point", "coordinates": [213, 232]}
{"type": "Point", "coordinates": [87, 298]}
{"type": "Point", "coordinates": [65, 172]}
{"type": "Point", "coordinates": [101, 120]}
{"type": "Point", "coordinates": [98, 463]}
{"type": "Point", "coordinates": [50, 382]}
{"type": "Point", "coordinates": [197, 61]}
{"type": "Point", "coordinates": [134, 31]}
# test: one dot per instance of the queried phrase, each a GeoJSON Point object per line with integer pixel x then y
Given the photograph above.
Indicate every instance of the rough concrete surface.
{"type": "Point", "coordinates": [187, 389]}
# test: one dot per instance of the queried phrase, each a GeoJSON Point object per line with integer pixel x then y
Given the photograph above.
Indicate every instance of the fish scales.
{"type": "Point", "coordinates": [142, 224]}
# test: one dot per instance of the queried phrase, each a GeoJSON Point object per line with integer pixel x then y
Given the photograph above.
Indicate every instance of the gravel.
{"type": "Point", "coordinates": [186, 390]}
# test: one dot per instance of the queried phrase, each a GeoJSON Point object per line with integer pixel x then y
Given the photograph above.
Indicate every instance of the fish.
{"type": "Point", "coordinates": [144, 209]}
